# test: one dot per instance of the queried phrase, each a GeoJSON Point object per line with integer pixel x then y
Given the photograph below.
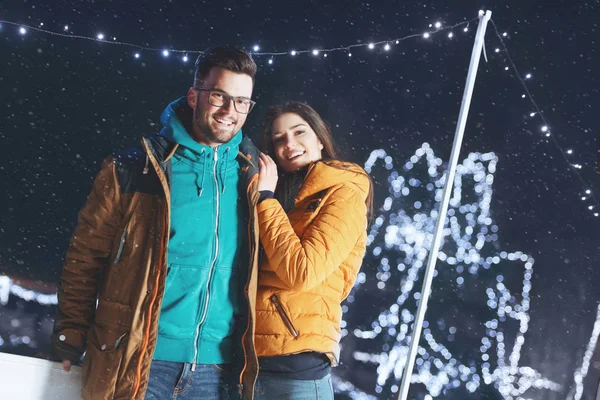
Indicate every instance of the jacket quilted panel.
{"type": "Point", "coordinates": [313, 255]}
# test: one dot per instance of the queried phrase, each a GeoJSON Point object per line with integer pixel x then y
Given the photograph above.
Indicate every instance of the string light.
{"type": "Point", "coordinates": [8, 287]}
{"type": "Point", "coordinates": [22, 30]}
{"type": "Point", "coordinates": [255, 48]}
{"type": "Point", "coordinates": [371, 46]}
{"type": "Point", "coordinates": [137, 55]}
{"type": "Point", "coordinates": [386, 47]}
{"type": "Point", "coordinates": [270, 61]}
{"type": "Point", "coordinates": [399, 241]}
{"type": "Point", "coordinates": [426, 35]}
{"type": "Point", "coordinates": [165, 53]}
{"type": "Point", "coordinates": [575, 166]}
{"type": "Point", "coordinates": [451, 35]}
{"type": "Point", "coordinates": [66, 28]}
{"type": "Point", "coordinates": [582, 371]}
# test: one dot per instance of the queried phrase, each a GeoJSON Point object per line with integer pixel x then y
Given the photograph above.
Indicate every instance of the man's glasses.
{"type": "Point", "coordinates": [219, 98]}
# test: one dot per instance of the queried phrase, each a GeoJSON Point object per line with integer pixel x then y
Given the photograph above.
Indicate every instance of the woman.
{"type": "Point", "coordinates": [312, 216]}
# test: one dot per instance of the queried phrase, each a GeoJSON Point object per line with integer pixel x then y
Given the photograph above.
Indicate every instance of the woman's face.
{"type": "Point", "coordinates": [296, 144]}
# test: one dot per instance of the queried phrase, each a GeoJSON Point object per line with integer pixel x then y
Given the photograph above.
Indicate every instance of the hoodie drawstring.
{"type": "Point", "coordinates": [201, 186]}
{"type": "Point", "coordinates": [224, 169]}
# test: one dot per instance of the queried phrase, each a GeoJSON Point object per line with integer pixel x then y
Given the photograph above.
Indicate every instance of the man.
{"type": "Point", "coordinates": [159, 283]}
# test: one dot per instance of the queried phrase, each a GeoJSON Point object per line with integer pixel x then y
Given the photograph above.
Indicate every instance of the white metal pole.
{"type": "Point", "coordinates": [437, 236]}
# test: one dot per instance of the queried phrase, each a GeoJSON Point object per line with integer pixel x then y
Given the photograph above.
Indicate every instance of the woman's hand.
{"type": "Point", "coordinates": [267, 178]}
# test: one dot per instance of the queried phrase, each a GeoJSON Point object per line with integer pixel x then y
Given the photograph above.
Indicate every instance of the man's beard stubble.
{"type": "Point", "coordinates": [220, 136]}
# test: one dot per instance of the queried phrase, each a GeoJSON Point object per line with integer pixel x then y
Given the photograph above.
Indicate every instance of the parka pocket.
{"type": "Point", "coordinates": [287, 321]}
{"type": "Point", "coordinates": [105, 349]}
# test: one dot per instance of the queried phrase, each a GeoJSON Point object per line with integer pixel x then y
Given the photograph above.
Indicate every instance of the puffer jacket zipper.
{"type": "Point", "coordinates": [214, 260]}
{"type": "Point", "coordinates": [284, 316]}
{"type": "Point", "coordinates": [121, 246]}
{"type": "Point", "coordinates": [163, 253]}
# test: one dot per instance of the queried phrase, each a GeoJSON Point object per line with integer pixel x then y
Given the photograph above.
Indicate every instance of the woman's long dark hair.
{"type": "Point", "coordinates": [289, 183]}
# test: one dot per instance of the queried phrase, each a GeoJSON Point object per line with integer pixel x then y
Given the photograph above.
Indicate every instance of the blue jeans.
{"type": "Point", "coordinates": [274, 388]}
{"type": "Point", "coordinates": [174, 380]}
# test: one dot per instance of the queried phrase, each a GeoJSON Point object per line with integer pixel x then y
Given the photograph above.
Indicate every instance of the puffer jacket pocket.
{"type": "Point", "coordinates": [287, 321]}
{"type": "Point", "coordinates": [105, 349]}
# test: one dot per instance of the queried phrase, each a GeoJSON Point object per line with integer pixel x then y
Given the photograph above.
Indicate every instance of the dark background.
{"type": "Point", "coordinates": [67, 103]}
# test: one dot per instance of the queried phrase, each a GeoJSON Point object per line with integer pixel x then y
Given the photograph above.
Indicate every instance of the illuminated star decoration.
{"type": "Point", "coordinates": [488, 287]}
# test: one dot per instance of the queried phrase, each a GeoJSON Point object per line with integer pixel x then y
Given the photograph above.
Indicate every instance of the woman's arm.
{"type": "Point", "coordinates": [303, 264]}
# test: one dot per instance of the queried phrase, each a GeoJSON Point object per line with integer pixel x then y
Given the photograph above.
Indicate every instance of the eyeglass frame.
{"type": "Point", "coordinates": [229, 98]}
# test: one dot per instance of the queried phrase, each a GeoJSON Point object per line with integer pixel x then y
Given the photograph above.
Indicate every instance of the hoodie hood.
{"type": "Point", "coordinates": [322, 175]}
{"type": "Point", "coordinates": [174, 130]}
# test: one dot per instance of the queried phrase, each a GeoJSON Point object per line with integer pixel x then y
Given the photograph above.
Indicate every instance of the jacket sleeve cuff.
{"type": "Point", "coordinates": [266, 194]}
{"type": "Point", "coordinates": [68, 344]}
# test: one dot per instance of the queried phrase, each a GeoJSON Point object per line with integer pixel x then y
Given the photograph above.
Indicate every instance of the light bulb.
{"type": "Point", "coordinates": [100, 36]}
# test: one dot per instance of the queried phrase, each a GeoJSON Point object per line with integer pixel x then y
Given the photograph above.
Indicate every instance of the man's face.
{"type": "Point", "coordinates": [213, 125]}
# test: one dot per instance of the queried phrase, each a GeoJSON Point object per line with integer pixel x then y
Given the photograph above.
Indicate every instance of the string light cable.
{"type": "Point", "coordinates": [586, 195]}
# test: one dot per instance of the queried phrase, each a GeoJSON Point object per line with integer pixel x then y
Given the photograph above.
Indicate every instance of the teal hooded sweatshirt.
{"type": "Point", "coordinates": [203, 292]}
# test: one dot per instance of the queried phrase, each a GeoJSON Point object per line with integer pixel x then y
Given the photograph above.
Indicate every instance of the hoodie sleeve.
{"type": "Point", "coordinates": [303, 263]}
{"type": "Point", "coordinates": [86, 257]}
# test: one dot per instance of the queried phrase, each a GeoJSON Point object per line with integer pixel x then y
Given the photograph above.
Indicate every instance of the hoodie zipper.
{"type": "Point", "coordinates": [284, 316]}
{"type": "Point", "coordinates": [214, 261]}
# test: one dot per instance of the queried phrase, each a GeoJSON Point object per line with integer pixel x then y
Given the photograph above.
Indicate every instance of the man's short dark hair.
{"type": "Point", "coordinates": [227, 57]}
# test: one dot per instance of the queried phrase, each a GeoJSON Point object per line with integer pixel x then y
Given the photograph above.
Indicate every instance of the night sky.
{"type": "Point", "coordinates": [67, 103]}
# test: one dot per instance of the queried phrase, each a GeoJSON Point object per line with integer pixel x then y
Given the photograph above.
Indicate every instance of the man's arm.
{"type": "Point", "coordinates": [88, 254]}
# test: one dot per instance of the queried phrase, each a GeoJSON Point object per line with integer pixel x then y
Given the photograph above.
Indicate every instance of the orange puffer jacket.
{"type": "Point", "coordinates": [313, 255]}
